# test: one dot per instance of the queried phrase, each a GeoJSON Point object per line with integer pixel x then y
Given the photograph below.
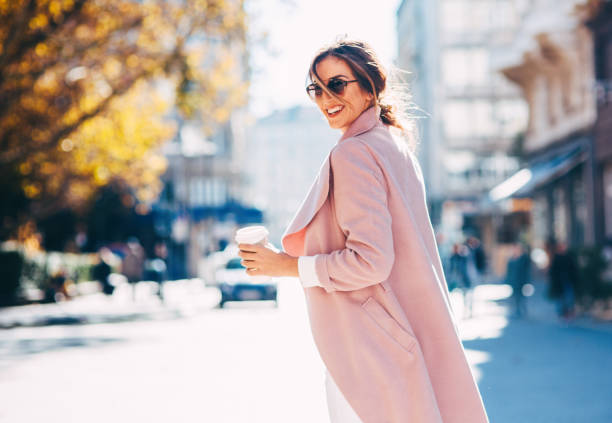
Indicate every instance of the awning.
{"type": "Point", "coordinates": [530, 178]}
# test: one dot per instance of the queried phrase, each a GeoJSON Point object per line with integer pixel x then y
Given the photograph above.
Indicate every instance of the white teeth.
{"type": "Point", "coordinates": [334, 110]}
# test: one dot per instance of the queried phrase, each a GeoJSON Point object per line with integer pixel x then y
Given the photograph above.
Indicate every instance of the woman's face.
{"type": "Point", "coordinates": [340, 116]}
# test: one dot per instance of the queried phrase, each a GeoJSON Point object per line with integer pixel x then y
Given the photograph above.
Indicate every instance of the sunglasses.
{"type": "Point", "coordinates": [335, 85]}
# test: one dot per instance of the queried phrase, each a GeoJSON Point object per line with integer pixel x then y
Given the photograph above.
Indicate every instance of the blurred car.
{"type": "Point", "coordinates": [236, 285]}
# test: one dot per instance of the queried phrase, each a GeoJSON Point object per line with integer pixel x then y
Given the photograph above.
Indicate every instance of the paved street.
{"type": "Point", "coordinates": [187, 361]}
{"type": "Point", "coordinates": [538, 370]}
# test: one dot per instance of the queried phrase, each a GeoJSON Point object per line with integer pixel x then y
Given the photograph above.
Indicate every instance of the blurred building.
{"type": "Point", "coordinates": [599, 15]}
{"type": "Point", "coordinates": [284, 153]}
{"type": "Point", "coordinates": [202, 203]}
{"type": "Point", "coordinates": [552, 60]}
{"type": "Point", "coordinates": [472, 115]}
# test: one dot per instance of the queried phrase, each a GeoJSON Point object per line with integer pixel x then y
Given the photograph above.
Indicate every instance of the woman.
{"type": "Point", "coordinates": [363, 247]}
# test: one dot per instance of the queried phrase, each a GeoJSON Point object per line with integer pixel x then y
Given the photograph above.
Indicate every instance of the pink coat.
{"type": "Point", "coordinates": [382, 321]}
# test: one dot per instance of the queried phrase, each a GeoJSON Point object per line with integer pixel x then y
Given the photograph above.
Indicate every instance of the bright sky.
{"type": "Point", "coordinates": [296, 29]}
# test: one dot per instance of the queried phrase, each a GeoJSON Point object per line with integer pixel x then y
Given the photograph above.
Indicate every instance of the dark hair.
{"type": "Point", "coordinates": [372, 77]}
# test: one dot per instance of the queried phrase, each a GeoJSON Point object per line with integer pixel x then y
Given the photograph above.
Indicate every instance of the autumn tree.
{"type": "Point", "coordinates": [81, 93]}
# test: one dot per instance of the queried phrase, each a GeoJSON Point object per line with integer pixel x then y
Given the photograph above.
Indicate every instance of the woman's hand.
{"type": "Point", "coordinates": [260, 260]}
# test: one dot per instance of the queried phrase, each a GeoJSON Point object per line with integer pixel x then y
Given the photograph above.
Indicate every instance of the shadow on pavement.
{"type": "Point", "coordinates": [31, 346]}
{"type": "Point", "coordinates": [537, 371]}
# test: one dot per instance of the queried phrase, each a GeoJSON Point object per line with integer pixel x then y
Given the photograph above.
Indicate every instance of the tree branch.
{"type": "Point", "coordinates": [18, 44]}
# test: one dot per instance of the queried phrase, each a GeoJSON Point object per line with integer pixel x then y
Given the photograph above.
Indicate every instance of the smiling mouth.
{"type": "Point", "coordinates": [334, 111]}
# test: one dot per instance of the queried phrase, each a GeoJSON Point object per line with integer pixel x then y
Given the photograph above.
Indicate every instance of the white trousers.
{"type": "Point", "coordinates": [340, 411]}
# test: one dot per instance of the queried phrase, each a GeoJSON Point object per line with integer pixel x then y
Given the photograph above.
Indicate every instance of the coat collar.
{"type": "Point", "coordinates": [293, 238]}
{"type": "Point", "coordinates": [367, 120]}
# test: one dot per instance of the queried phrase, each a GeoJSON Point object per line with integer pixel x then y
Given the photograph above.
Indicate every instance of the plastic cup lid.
{"type": "Point", "coordinates": [251, 234]}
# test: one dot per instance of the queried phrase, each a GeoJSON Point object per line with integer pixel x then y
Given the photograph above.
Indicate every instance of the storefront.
{"type": "Point", "coordinates": [601, 26]}
{"type": "Point", "coordinates": [555, 182]}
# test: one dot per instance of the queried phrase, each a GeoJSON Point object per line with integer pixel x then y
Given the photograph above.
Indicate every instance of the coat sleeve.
{"type": "Point", "coordinates": [361, 210]}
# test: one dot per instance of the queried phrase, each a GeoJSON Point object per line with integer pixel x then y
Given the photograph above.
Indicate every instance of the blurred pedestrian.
{"type": "Point", "coordinates": [459, 276]}
{"type": "Point", "coordinates": [518, 273]}
{"type": "Point", "coordinates": [364, 250]}
{"type": "Point", "coordinates": [132, 266]}
{"type": "Point", "coordinates": [563, 275]}
{"type": "Point", "coordinates": [102, 270]}
{"type": "Point", "coordinates": [477, 260]}
{"type": "Point", "coordinates": [55, 289]}
{"type": "Point", "coordinates": [156, 269]}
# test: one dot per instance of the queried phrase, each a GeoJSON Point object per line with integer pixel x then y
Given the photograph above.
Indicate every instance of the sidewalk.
{"type": "Point", "coordinates": [187, 297]}
{"type": "Point", "coordinates": [542, 309]}
{"type": "Point", "coordinates": [181, 299]}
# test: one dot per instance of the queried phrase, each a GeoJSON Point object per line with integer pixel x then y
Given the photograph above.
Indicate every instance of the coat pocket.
{"type": "Point", "coordinates": [388, 324]}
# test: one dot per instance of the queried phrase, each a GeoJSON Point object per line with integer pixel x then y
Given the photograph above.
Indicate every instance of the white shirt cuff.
{"type": "Point", "coordinates": [307, 271]}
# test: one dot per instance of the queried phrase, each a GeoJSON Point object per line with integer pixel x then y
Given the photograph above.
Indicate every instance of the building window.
{"type": "Point", "coordinates": [458, 16]}
{"type": "Point", "coordinates": [463, 67]}
{"type": "Point", "coordinates": [504, 16]}
{"type": "Point", "coordinates": [512, 116]}
{"type": "Point", "coordinates": [454, 16]}
{"type": "Point", "coordinates": [217, 192]}
{"type": "Point", "coordinates": [456, 119]}
{"type": "Point", "coordinates": [469, 118]}
{"type": "Point", "coordinates": [484, 124]}
{"type": "Point", "coordinates": [208, 192]}
{"type": "Point", "coordinates": [196, 188]}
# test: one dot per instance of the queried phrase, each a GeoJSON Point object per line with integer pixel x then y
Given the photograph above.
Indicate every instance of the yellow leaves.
{"type": "Point", "coordinates": [48, 168]}
{"type": "Point", "coordinates": [39, 21]}
{"type": "Point", "coordinates": [105, 24]}
{"type": "Point", "coordinates": [230, 21]}
{"type": "Point", "coordinates": [40, 135]}
{"type": "Point", "coordinates": [41, 49]}
{"type": "Point", "coordinates": [89, 103]}
{"type": "Point", "coordinates": [107, 44]}
{"type": "Point", "coordinates": [221, 115]}
{"type": "Point", "coordinates": [132, 61]}
{"type": "Point", "coordinates": [112, 68]}
{"type": "Point", "coordinates": [4, 6]}
{"type": "Point", "coordinates": [24, 67]}
{"type": "Point", "coordinates": [121, 144]}
{"type": "Point", "coordinates": [31, 190]}
{"type": "Point", "coordinates": [101, 175]}
{"type": "Point", "coordinates": [58, 7]}
{"type": "Point", "coordinates": [79, 191]}
{"type": "Point", "coordinates": [157, 163]}
{"type": "Point", "coordinates": [55, 8]}
{"type": "Point", "coordinates": [35, 104]}
{"type": "Point", "coordinates": [46, 85]}
{"type": "Point", "coordinates": [25, 168]}
{"type": "Point", "coordinates": [125, 8]}
{"type": "Point", "coordinates": [28, 236]}
{"type": "Point", "coordinates": [71, 116]}
{"type": "Point", "coordinates": [83, 32]}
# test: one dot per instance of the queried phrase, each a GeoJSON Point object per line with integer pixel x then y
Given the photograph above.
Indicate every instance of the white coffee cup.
{"type": "Point", "coordinates": [254, 235]}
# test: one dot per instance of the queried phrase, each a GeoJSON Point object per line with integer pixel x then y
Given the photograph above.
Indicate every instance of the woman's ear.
{"type": "Point", "coordinates": [370, 100]}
